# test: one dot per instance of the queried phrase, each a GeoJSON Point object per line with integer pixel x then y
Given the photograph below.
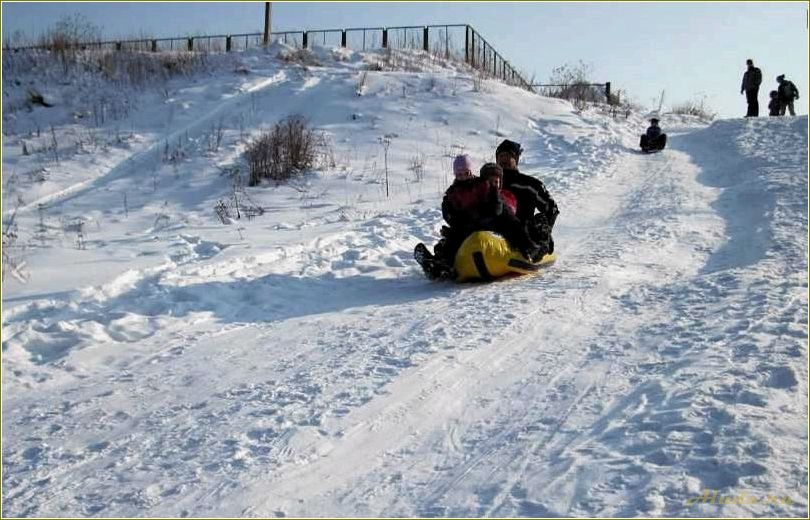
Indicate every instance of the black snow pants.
{"type": "Point", "coordinates": [753, 103]}
{"type": "Point", "coordinates": [656, 143]}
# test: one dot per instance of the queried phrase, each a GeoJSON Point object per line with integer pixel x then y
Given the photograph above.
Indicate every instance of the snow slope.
{"type": "Point", "coordinates": [298, 364]}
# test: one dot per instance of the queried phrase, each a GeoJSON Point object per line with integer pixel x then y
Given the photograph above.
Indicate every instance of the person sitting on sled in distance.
{"type": "Point", "coordinates": [653, 138]}
{"type": "Point", "coordinates": [532, 196]}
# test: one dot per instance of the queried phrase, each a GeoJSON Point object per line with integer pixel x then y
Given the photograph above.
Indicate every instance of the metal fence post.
{"type": "Point", "coordinates": [305, 39]}
{"type": "Point", "coordinates": [467, 44]}
{"type": "Point", "coordinates": [425, 36]}
{"type": "Point", "coordinates": [266, 35]}
{"type": "Point", "coordinates": [607, 92]}
{"type": "Point", "coordinates": [343, 38]}
{"type": "Point", "coordinates": [118, 46]}
{"type": "Point", "coordinates": [190, 44]}
{"type": "Point", "coordinates": [154, 45]}
{"type": "Point", "coordinates": [385, 38]}
{"type": "Point", "coordinates": [228, 43]}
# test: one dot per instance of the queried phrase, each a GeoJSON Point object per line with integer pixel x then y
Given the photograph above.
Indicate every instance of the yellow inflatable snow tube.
{"type": "Point", "coordinates": [485, 255]}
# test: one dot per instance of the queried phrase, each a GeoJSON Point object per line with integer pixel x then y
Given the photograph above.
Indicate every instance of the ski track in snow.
{"type": "Point", "coordinates": [663, 354]}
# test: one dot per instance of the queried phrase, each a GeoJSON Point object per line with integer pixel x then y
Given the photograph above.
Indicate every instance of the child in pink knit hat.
{"type": "Point", "coordinates": [462, 167]}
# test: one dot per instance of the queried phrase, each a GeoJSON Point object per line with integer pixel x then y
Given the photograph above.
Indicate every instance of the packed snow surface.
{"type": "Point", "coordinates": [161, 361]}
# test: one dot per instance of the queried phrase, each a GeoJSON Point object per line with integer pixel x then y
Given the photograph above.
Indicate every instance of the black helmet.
{"type": "Point", "coordinates": [509, 147]}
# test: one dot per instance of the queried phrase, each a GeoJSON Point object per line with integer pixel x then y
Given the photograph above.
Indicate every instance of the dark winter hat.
{"type": "Point", "coordinates": [774, 93]}
{"type": "Point", "coordinates": [509, 147]}
{"type": "Point", "coordinates": [654, 120]}
{"type": "Point", "coordinates": [491, 170]}
{"type": "Point", "coordinates": [780, 78]}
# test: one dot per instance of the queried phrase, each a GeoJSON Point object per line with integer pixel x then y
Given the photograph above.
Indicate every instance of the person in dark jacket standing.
{"type": "Point", "coordinates": [750, 85]}
{"type": "Point", "coordinates": [532, 196]}
{"type": "Point", "coordinates": [787, 93]}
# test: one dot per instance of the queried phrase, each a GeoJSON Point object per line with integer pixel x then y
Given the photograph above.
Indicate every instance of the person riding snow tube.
{"type": "Point", "coordinates": [653, 139]}
{"type": "Point", "coordinates": [485, 255]}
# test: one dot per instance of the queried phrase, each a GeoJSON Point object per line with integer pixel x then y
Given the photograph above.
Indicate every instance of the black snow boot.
{"type": "Point", "coordinates": [434, 267]}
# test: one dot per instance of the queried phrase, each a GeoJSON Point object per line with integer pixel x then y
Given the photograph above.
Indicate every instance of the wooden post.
{"type": "Point", "coordinates": [191, 44]}
{"type": "Point", "coordinates": [154, 45]}
{"type": "Point", "coordinates": [607, 92]}
{"type": "Point", "coordinates": [118, 46]}
{"type": "Point", "coordinates": [306, 39]}
{"type": "Point", "coordinates": [385, 38]}
{"type": "Point", "coordinates": [266, 39]}
{"type": "Point", "coordinates": [343, 38]}
{"type": "Point", "coordinates": [228, 43]}
{"type": "Point", "coordinates": [425, 36]}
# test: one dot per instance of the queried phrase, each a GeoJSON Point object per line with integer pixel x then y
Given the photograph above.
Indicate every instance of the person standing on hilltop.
{"type": "Point", "coordinates": [786, 94]}
{"type": "Point", "coordinates": [750, 85]}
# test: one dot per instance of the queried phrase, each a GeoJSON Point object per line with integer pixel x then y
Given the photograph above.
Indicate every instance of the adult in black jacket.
{"type": "Point", "coordinates": [536, 210]}
{"type": "Point", "coordinates": [787, 93]}
{"type": "Point", "coordinates": [750, 85]}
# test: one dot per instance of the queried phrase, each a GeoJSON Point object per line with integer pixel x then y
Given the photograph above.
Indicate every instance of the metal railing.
{"type": "Point", "coordinates": [605, 86]}
{"type": "Point", "coordinates": [459, 42]}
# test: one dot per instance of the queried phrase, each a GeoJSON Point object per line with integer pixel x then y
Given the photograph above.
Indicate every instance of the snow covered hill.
{"type": "Point", "coordinates": [157, 362]}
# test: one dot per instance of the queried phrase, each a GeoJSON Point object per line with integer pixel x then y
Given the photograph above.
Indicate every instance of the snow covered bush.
{"type": "Point", "coordinates": [302, 57]}
{"type": "Point", "coordinates": [283, 152]}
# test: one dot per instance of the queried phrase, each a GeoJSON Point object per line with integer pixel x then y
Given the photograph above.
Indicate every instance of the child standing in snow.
{"type": "Point", "coordinates": [773, 106]}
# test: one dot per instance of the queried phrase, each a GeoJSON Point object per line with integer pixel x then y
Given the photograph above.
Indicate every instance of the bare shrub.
{"type": "Point", "coordinates": [67, 36]}
{"type": "Point", "coordinates": [696, 108]}
{"type": "Point", "coordinates": [478, 81]}
{"type": "Point", "coordinates": [417, 166]}
{"type": "Point", "coordinates": [300, 56]}
{"type": "Point", "coordinates": [283, 152]}
{"type": "Point", "coordinates": [12, 264]}
{"type": "Point", "coordinates": [573, 83]}
{"type": "Point", "coordinates": [140, 68]}
{"type": "Point", "coordinates": [361, 83]}
{"type": "Point", "coordinates": [238, 204]}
